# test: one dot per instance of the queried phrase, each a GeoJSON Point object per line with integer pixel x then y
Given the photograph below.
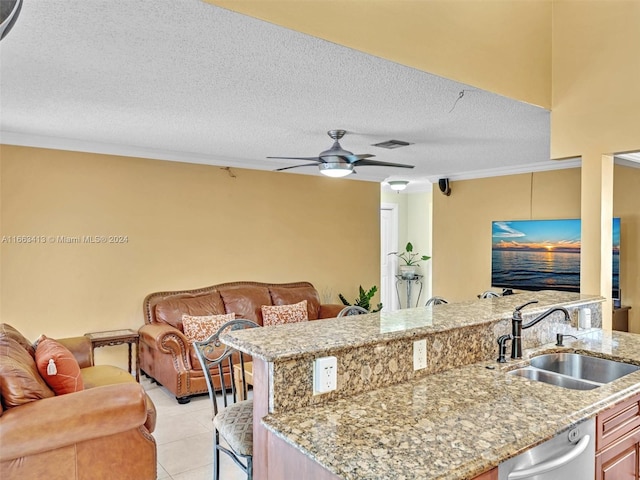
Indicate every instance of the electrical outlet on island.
{"type": "Point", "coordinates": [420, 354]}
{"type": "Point", "coordinates": [325, 375]}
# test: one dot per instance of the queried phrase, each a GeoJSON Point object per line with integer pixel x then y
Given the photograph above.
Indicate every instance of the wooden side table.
{"type": "Point", "coordinates": [237, 376]}
{"type": "Point", "coordinates": [620, 319]}
{"type": "Point", "coordinates": [117, 337]}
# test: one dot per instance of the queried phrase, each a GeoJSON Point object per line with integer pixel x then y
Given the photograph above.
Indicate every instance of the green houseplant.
{"type": "Point", "coordinates": [364, 299]}
{"type": "Point", "coordinates": [411, 261]}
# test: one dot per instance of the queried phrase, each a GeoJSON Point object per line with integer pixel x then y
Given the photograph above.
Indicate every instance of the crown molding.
{"type": "Point", "coordinates": [515, 170]}
{"type": "Point", "coordinates": [73, 145]}
{"type": "Point", "coordinates": [630, 160]}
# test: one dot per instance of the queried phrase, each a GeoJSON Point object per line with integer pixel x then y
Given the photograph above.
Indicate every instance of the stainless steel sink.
{"type": "Point", "coordinates": [553, 378]}
{"type": "Point", "coordinates": [583, 367]}
{"type": "Point", "coordinates": [574, 371]}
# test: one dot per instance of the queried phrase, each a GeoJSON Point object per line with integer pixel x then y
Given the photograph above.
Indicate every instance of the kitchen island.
{"type": "Point", "coordinates": [455, 419]}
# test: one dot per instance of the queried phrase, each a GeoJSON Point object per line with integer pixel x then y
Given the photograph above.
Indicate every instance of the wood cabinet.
{"type": "Point", "coordinates": [618, 442]}
{"type": "Point", "coordinates": [287, 462]}
{"type": "Point", "coordinates": [620, 319]}
{"type": "Point", "coordinates": [490, 475]}
{"type": "Point", "coordinates": [620, 460]}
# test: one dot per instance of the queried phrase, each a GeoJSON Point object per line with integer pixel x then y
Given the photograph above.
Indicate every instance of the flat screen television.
{"type": "Point", "coordinates": [543, 255]}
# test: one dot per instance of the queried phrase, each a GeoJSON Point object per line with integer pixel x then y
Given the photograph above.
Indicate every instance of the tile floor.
{"type": "Point", "coordinates": [184, 438]}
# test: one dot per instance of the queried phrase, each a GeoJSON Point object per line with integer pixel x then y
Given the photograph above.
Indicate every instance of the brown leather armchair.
{"type": "Point", "coordinates": [101, 432]}
{"type": "Point", "coordinates": [165, 353]}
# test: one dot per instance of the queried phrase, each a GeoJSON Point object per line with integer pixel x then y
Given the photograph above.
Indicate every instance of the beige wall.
{"type": "Point", "coordinates": [462, 223]}
{"type": "Point", "coordinates": [596, 73]}
{"type": "Point", "coordinates": [495, 45]}
{"type": "Point", "coordinates": [626, 205]}
{"type": "Point", "coordinates": [187, 226]}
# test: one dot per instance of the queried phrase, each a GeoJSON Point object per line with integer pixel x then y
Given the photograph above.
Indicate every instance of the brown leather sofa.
{"type": "Point", "coordinates": [165, 353]}
{"type": "Point", "coordinates": [101, 432]}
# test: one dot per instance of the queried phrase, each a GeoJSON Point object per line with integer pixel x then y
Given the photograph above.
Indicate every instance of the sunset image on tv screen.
{"type": "Point", "coordinates": [542, 254]}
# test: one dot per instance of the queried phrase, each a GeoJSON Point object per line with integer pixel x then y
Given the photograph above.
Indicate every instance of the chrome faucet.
{"type": "Point", "coordinates": [517, 326]}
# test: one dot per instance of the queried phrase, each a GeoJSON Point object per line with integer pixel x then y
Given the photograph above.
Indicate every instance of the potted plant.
{"type": "Point", "coordinates": [411, 261]}
{"type": "Point", "coordinates": [363, 299]}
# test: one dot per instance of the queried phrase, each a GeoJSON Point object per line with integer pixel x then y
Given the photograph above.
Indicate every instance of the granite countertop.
{"type": "Point", "coordinates": [281, 342]}
{"type": "Point", "coordinates": [454, 424]}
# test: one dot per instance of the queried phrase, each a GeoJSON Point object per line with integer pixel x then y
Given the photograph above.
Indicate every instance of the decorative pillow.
{"type": "Point", "coordinates": [200, 328]}
{"type": "Point", "coordinates": [58, 367]}
{"type": "Point", "coordinates": [281, 314]}
{"type": "Point", "coordinates": [20, 381]}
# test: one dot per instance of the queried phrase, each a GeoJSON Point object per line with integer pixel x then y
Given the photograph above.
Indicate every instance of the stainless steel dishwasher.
{"type": "Point", "coordinates": [567, 456]}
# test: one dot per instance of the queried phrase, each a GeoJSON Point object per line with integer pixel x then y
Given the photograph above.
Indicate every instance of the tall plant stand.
{"type": "Point", "coordinates": [416, 280]}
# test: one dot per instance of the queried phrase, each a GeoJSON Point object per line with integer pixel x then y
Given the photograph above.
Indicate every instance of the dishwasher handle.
{"type": "Point", "coordinates": [552, 464]}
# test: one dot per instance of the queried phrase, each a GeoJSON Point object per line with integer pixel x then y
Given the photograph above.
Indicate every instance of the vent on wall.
{"type": "Point", "coordinates": [391, 144]}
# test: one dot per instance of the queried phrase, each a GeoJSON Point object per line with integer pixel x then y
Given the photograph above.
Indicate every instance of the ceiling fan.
{"type": "Point", "coordinates": [9, 11]}
{"type": "Point", "coordinates": [337, 162]}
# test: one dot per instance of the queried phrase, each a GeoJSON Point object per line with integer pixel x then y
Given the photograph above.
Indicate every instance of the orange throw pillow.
{"type": "Point", "coordinates": [58, 367]}
{"type": "Point", "coordinates": [281, 314]}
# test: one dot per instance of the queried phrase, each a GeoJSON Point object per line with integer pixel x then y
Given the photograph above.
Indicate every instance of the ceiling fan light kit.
{"type": "Point", "coordinates": [398, 185]}
{"type": "Point", "coordinates": [336, 170]}
{"type": "Point", "coordinates": [337, 162]}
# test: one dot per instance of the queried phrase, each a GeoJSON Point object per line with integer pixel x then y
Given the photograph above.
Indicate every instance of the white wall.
{"type": "Point", "coordinates": [414, 225]}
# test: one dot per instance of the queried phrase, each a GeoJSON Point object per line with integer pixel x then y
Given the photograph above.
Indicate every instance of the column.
{"type": "Point", "coordinates": [597, 214]}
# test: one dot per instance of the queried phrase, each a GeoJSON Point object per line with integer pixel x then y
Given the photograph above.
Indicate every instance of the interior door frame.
{"type": "Point", "coordinates": [388, 296]}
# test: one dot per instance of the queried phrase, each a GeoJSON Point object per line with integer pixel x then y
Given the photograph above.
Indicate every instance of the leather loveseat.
{"type": "Point", "coordinates": [100, 432]}
{"type": "Point", "coordinates": [166, 354]}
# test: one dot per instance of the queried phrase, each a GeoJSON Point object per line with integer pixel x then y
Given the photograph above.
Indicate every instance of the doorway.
{"type": "Point", "coordinates": [388, 263]}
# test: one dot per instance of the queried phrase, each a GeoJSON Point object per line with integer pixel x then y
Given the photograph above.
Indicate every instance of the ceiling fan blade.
{"type": "Point", "coordinates": [337, 159]}
{"type": "Point", "coordinates": [314, 159]}
{"type": "Point", "coordinates": [296, 166]}
{"type": "Point", "coordinates": [377, 163]}
{"type": "Point", "coordinates": [362, 156]}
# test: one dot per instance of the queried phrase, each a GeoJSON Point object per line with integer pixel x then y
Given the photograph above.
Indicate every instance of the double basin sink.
{"type": "Point", "coordinates": [574, 371]}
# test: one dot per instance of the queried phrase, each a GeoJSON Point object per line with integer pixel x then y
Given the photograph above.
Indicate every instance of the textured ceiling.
{"type": "Point", "coordinates": [187, 81]}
